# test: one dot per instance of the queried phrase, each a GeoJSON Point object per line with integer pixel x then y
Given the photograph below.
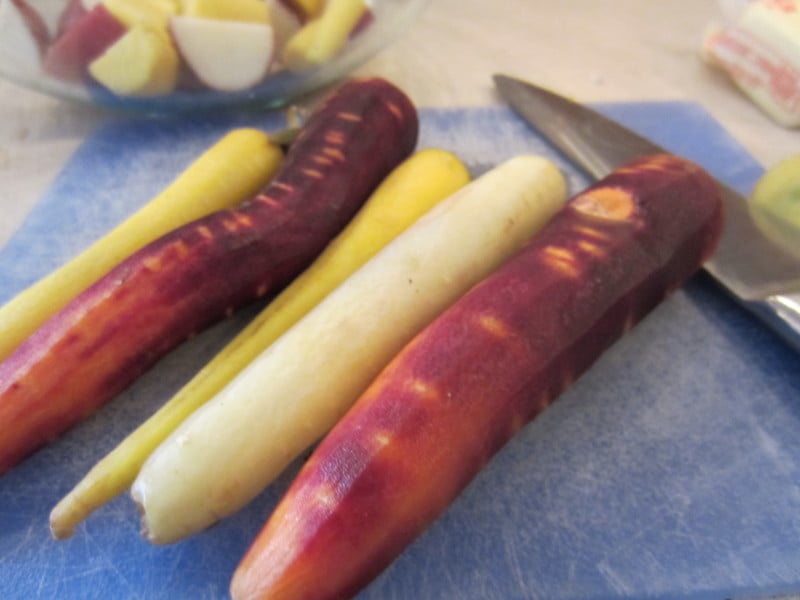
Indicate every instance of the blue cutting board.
{"type": "Point", "coordinates": [670, 470]}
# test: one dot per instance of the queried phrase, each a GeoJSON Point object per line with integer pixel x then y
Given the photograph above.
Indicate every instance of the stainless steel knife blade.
{"type": "Point", "coordinates": [759, 273]}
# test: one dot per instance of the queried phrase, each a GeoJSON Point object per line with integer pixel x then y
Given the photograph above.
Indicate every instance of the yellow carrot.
{"type": "Point", "coordinates": [309, 8]}
{"type": "Point", "coordinates": [204, 187]}
{"type": "Point", "coordinates": [247, 11]}
{"type": "Point", "coordinates": [292, 393]}
{"type": "Point", "coordinates": [409, 191]}
{"type": "Point", "coordinates": [321, 38]}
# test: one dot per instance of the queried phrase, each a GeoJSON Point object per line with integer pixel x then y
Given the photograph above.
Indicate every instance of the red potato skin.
{"type": "Point", "coordinates": [35, 23]}
{"type": "Point", "coordinates": [114, 331]}
{"type": "Point", "coordinates": [367, 19]}
{"type": "Point", "coordinates": [83, 37]}
{"type": "Point", "coordinates": [295, 9]}
{"type": "Point", "coordinates": [465, 385]}
{"type": "Point", "coordinates": [71, 14]}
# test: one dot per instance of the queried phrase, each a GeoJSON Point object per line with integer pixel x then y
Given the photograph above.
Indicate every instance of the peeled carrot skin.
{"type": "Point", "coordinates": [119, 327]}
{"type": "Point", "coordinates": [471, 380]}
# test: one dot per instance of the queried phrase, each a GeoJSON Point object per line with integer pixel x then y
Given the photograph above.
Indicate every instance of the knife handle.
{"type": "Point", "coordinates": [782, 313]}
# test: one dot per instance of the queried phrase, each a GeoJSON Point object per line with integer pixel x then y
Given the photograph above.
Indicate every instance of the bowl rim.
{"type": "Point", "coordinates": [392, 19]}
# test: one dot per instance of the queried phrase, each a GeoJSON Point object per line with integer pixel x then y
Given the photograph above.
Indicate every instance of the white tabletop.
{"type": "Point", "coordinates": [617, 50]}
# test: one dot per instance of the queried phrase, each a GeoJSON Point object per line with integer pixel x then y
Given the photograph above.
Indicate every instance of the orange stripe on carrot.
{"type": "Point", "coordinates": [334, 137]}
{"type": "Point", "coordinates": [152, 263]}
{"type": "Point", "coordinates": [284, 186]}
{"type": "Point", "coordinates": [325, 497]}
{"type": "Point", "coordinates": [262, 289]}
{"type": "Point", "coordinates": [205, 232]}
{"type": "Point", "coordinates": [348, 116]}
{"type": "Point", "coordinates": [423, 389]}
{"type": "Point", "coordinates": [591, 248]}
{"type": "Point", "coordinates": [493, 325]}
{"type": "Point", "coordinates": [382, 439]}
{"type": "Point", "coordinates": [313, 173]}
{"type": "Point", "coordinates": [243, 219]}
{"type": "Point", "coordinates": [629, 323]}
{"type": "Point", "coordinates": [518, 421]}
{"type": "Point", "coordinates": [559, 253]}
{"type": "Point", "coordinates": [322, 160]}
{"type": "Point", "coordinates": [395, 110]}
{"type": "Point", "coordinates": [562, 260]}
{"type": "Point", "coordinates": [663, 162]}
{"type": "Point", "coordinates": [591, 232]}
{"type": "Point", "coordinates": [626, 170]}
{"type": "Point", "coordinates": [181, 249]}
{"type": "Point", "coordinates": [334, 153]}
{"type": "Point", "coordinates": [268, 200]}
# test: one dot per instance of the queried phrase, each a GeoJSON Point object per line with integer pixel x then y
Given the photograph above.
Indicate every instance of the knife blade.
{"type": "Point", "coordinates": [761, 275]}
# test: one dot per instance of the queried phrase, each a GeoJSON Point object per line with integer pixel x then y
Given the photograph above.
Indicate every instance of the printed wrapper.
{"type": "Point", "coordinates": [760, 51]}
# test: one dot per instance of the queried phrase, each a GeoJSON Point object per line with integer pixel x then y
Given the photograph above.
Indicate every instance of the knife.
{"type": "Point", "coordinates": [759, 274]}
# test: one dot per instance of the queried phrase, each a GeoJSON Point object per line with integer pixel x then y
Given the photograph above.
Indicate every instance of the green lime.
{"type": "Point", "coordinates": [775, 204]}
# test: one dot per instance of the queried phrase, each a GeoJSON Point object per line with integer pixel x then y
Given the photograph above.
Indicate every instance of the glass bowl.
{"type": "Point", "coordinates": [29, 29]}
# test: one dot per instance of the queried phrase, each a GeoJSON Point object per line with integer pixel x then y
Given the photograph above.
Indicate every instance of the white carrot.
{"type": "Point", "coordinates": [296, 390]}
